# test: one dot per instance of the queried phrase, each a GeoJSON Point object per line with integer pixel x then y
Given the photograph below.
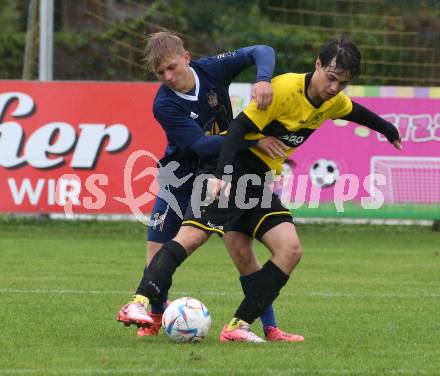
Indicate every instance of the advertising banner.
{"type": "Point", "coordinates": [92, 147]}
{"type": "Point", "coordinates": [349, 170]}
{"type": "Point", "coordinates": [83, 147]}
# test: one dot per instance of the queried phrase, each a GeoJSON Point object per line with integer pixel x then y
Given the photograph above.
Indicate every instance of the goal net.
{"type": "Point", "coordinates": [412, 180]}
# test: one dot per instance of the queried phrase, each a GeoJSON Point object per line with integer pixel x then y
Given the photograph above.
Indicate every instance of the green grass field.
{"type": "Point", "coordinates": [366, 298]}
{"type": "Point", "coordinates": [355, 210]}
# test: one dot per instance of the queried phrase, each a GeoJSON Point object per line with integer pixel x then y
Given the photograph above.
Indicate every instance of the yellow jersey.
{"type": "Point", "coordinates": [291, 117]}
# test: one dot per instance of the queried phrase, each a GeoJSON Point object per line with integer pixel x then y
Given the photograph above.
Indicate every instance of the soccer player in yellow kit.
{"type": "Point", "coordinates": [301, 103]}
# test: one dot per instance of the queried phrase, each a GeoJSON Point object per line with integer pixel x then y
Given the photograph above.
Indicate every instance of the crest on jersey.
{"type": "Point", "coordinates": [317, 118]}
{"type": "Point", "coordinates": [212, 98]}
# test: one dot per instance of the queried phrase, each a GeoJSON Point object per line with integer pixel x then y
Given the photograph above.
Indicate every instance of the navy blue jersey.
{"type": "Point", "coordinates": [193, 121]}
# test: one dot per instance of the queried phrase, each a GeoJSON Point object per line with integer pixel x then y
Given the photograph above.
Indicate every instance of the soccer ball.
{"type": "Point", "coordinates": [324, 173]}
{"type": "Point", "coordinates": [186, 320]}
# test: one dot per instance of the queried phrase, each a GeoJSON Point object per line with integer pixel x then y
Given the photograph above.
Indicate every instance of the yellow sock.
{"type": "Point", "coordinates": [139, 299]}
{"type": "Point", "coordinates": [235, 324]}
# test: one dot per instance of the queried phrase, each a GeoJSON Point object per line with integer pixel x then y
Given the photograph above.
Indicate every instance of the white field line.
{"type": "Point", "coordinates": [322, 294]}
{"type": "Point", "coordinates": [203, 371]}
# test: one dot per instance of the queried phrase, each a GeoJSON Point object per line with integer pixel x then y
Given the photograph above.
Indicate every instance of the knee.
{"type": "Point", "coordinates": [294, 252]}
{"type": "Point", "coordinates": [191, 238]}
{"type": "Point", "coordinates": [291, 253]}
{"type": "Point", "coordinates": [242, 257]}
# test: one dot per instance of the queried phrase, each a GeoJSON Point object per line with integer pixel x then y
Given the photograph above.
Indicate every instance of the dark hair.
{"type": "Point", "coordinates": [347, 56]}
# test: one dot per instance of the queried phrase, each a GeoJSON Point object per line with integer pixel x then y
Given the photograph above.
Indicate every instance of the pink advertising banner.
{"type": "Point", "coordinates": [346, 163]}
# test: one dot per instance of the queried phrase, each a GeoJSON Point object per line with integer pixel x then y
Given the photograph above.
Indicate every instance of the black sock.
{"type": "Point", "coordinates": [262, 293]}
{"type": "Point", "coordinates": [158, 276]}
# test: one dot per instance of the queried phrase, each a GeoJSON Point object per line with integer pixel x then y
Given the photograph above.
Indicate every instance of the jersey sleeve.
{"type": "Point", "coordinates": [180, 129]}
{"type": "Point", "coordinates": [228, 65]}
{"type": "Point", "coordinates": [368, 118]}
{"type": "Point", "coordinates": [342, 106]}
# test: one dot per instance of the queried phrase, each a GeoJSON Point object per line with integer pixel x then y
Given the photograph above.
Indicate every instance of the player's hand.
{"type": "Point", "coordinates": [272, 146]}
{"type": "Point", "coordinates": [397, 144]}
{"type": "Point", "coordinates": [262, 94]}
{"type": "Point", "coordinates": [215, 186]}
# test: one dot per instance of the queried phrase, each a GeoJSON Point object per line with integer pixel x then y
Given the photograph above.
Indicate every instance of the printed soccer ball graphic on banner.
{"type": "Point", "coordinates": [324, 173]}
{"type": "Point", "coordinates": [186, 320]}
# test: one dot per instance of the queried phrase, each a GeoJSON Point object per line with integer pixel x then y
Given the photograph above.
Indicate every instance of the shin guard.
{"type": "Point", "coordinates": [158, 276]}
{"type": "Point", "coordinates": [262, 293]}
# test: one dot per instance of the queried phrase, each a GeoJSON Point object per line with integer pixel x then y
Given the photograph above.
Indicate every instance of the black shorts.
{"type": "Point", "coordinates": [252, 209]}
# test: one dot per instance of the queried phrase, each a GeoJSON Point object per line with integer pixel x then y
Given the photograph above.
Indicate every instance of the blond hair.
{"type": "Point", "coordinates": [160, 46]}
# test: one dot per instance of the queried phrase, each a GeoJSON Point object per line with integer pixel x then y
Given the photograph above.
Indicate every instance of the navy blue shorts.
{"type": "Point", "coordinates": [166, 222]}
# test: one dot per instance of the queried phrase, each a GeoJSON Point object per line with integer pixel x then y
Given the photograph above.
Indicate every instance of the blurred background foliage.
{"type": "Point", "coordinates": [104, 39]}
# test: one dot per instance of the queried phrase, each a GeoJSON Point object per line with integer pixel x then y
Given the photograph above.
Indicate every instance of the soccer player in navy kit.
{"type": "Point", "coordinates": [302, 102]}
{"type": "Point", "coordinates": [193, 107]}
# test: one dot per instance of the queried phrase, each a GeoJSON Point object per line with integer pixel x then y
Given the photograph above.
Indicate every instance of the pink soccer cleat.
{"type": "Point", "coordinates": [274, 334]}
{"type": "Point", "coordinates": [135, 313]}
{"type": "Point", "coordinates": [241, 333]}
{"type": "Point", "coordinates": [153, 329]}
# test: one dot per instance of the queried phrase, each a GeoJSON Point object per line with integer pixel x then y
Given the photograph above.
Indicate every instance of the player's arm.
{"type": "Point", "coordinates": [229, 65]}
{"type": "Point", "coordinates": [361, 115]}
{"type": "Point", "coordinates": [186, 133]}
{"type": "Point", "coordinates": [234, 141]}
{"type": "Point", "coordinates": [233, 63]}
{"type": "Point", "coordinates": [251, 120]}
{"type": "Point", "coordinates": [207, 146]}
{"type": "Point", "coordinates": [264, 59]}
